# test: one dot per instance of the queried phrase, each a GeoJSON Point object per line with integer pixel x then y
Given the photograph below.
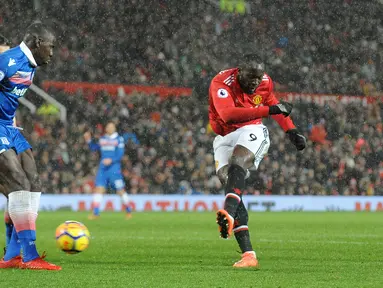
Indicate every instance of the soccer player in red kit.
{"type": "Point", "coordinates": [238, 100]}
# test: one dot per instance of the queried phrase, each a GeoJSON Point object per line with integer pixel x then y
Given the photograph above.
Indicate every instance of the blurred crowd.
{"type": "Point", "coordinates": [169, 147]}
{"type": "Point", "coordinates": [314, 46]}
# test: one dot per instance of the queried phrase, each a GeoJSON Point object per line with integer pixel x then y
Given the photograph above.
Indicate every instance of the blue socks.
{"type": "Point", "coordinates": [27, 240]}
{"type": "Point", "coordinates": [8, 233]}
{"type": "Point", "coordinates": [13, 247]}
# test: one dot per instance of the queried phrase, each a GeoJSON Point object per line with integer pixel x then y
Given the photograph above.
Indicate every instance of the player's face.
{"type": "Point", "coordinates": [249, 79]}
{"type": "Point", "coordinates": [110, 128]}
{"type": "Point", "coordinates": [4, 48]}
{"type": "Point", "coordinates": [45, 49]}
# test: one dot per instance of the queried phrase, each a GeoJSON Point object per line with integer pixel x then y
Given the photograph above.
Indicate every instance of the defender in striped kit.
{"type": "Point", "coordinates": [238, 100]}
{"type": "Point", "coordinates": [19, 180]}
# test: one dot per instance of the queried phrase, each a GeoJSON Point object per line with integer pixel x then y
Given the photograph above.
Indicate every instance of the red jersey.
{"type": "Point", "coordinates": [225, 93]}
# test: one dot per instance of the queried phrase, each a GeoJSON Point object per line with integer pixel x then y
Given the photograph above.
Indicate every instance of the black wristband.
{"type": "Point", "coordinates": [273, 110]}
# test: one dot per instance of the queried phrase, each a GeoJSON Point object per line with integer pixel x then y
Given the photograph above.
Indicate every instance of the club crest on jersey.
{"type": "Point", "coordinates": [222, 93]}
{"type": "Point", "coordinates": [4, 140]}
{"type": "Point", "coordinates": [257, 99]}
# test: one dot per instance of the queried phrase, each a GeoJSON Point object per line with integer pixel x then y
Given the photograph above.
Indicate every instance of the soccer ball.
{"type": "Point", "coordinates": [72, 237]}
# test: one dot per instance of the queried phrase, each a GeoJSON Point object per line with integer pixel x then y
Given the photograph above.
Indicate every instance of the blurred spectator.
{"type": "Point", "coordinates": [318, 133]}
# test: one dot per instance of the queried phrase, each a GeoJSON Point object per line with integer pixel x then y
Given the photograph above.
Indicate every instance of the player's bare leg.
{"type": "Point", "coordinates": [12, 178]}
{"type": "Point", "coordinates": [23, 209]}
{"type": "Point", "coordinates": [234, 216]}
{"type": "Point", "coordinates": [125, 201]}
{"type": "Point", "coordinates": [96, 203]}
{"type": "Point", "coordinates": [28, 164]}
{"type": "Point", "coordinates": [223, 174]}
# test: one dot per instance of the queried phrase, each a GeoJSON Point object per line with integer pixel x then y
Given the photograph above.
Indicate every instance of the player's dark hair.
{"type": "Point", "coordinates": [37, 30]}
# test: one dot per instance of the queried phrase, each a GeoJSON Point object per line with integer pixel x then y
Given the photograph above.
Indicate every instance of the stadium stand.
{"type": "Point", "coordinates": [184, 44]}
{"type": "Point", "coordinates": [175, 43]}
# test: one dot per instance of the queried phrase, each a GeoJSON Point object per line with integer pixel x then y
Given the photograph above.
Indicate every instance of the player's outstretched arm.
{"type": "Point", "coordinates": [240, 114]}
{"type": "Point", "coordinates": [92, 145]}
{"type": "Point", "coordinates": [226, 109]}
{"type": "Point", "coordinates": [131, 137]}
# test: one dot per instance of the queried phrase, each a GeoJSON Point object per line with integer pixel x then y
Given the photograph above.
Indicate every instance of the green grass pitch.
{"type": "Point", "coordinates": [183, 250]}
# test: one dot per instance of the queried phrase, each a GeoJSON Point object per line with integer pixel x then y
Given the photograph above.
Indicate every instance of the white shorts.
{"type": "Point", "coordinates": [253, 137]}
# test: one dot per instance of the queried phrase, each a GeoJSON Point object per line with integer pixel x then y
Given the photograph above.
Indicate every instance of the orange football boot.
{"type": "Point", "coordinates": [225, 223]}
{"type": "Point", "coordinates": [39, 264]}
{"type": "Point", "coordinates": [12, 263]}
{"type": "Point", "coordinates": [248, 260]}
